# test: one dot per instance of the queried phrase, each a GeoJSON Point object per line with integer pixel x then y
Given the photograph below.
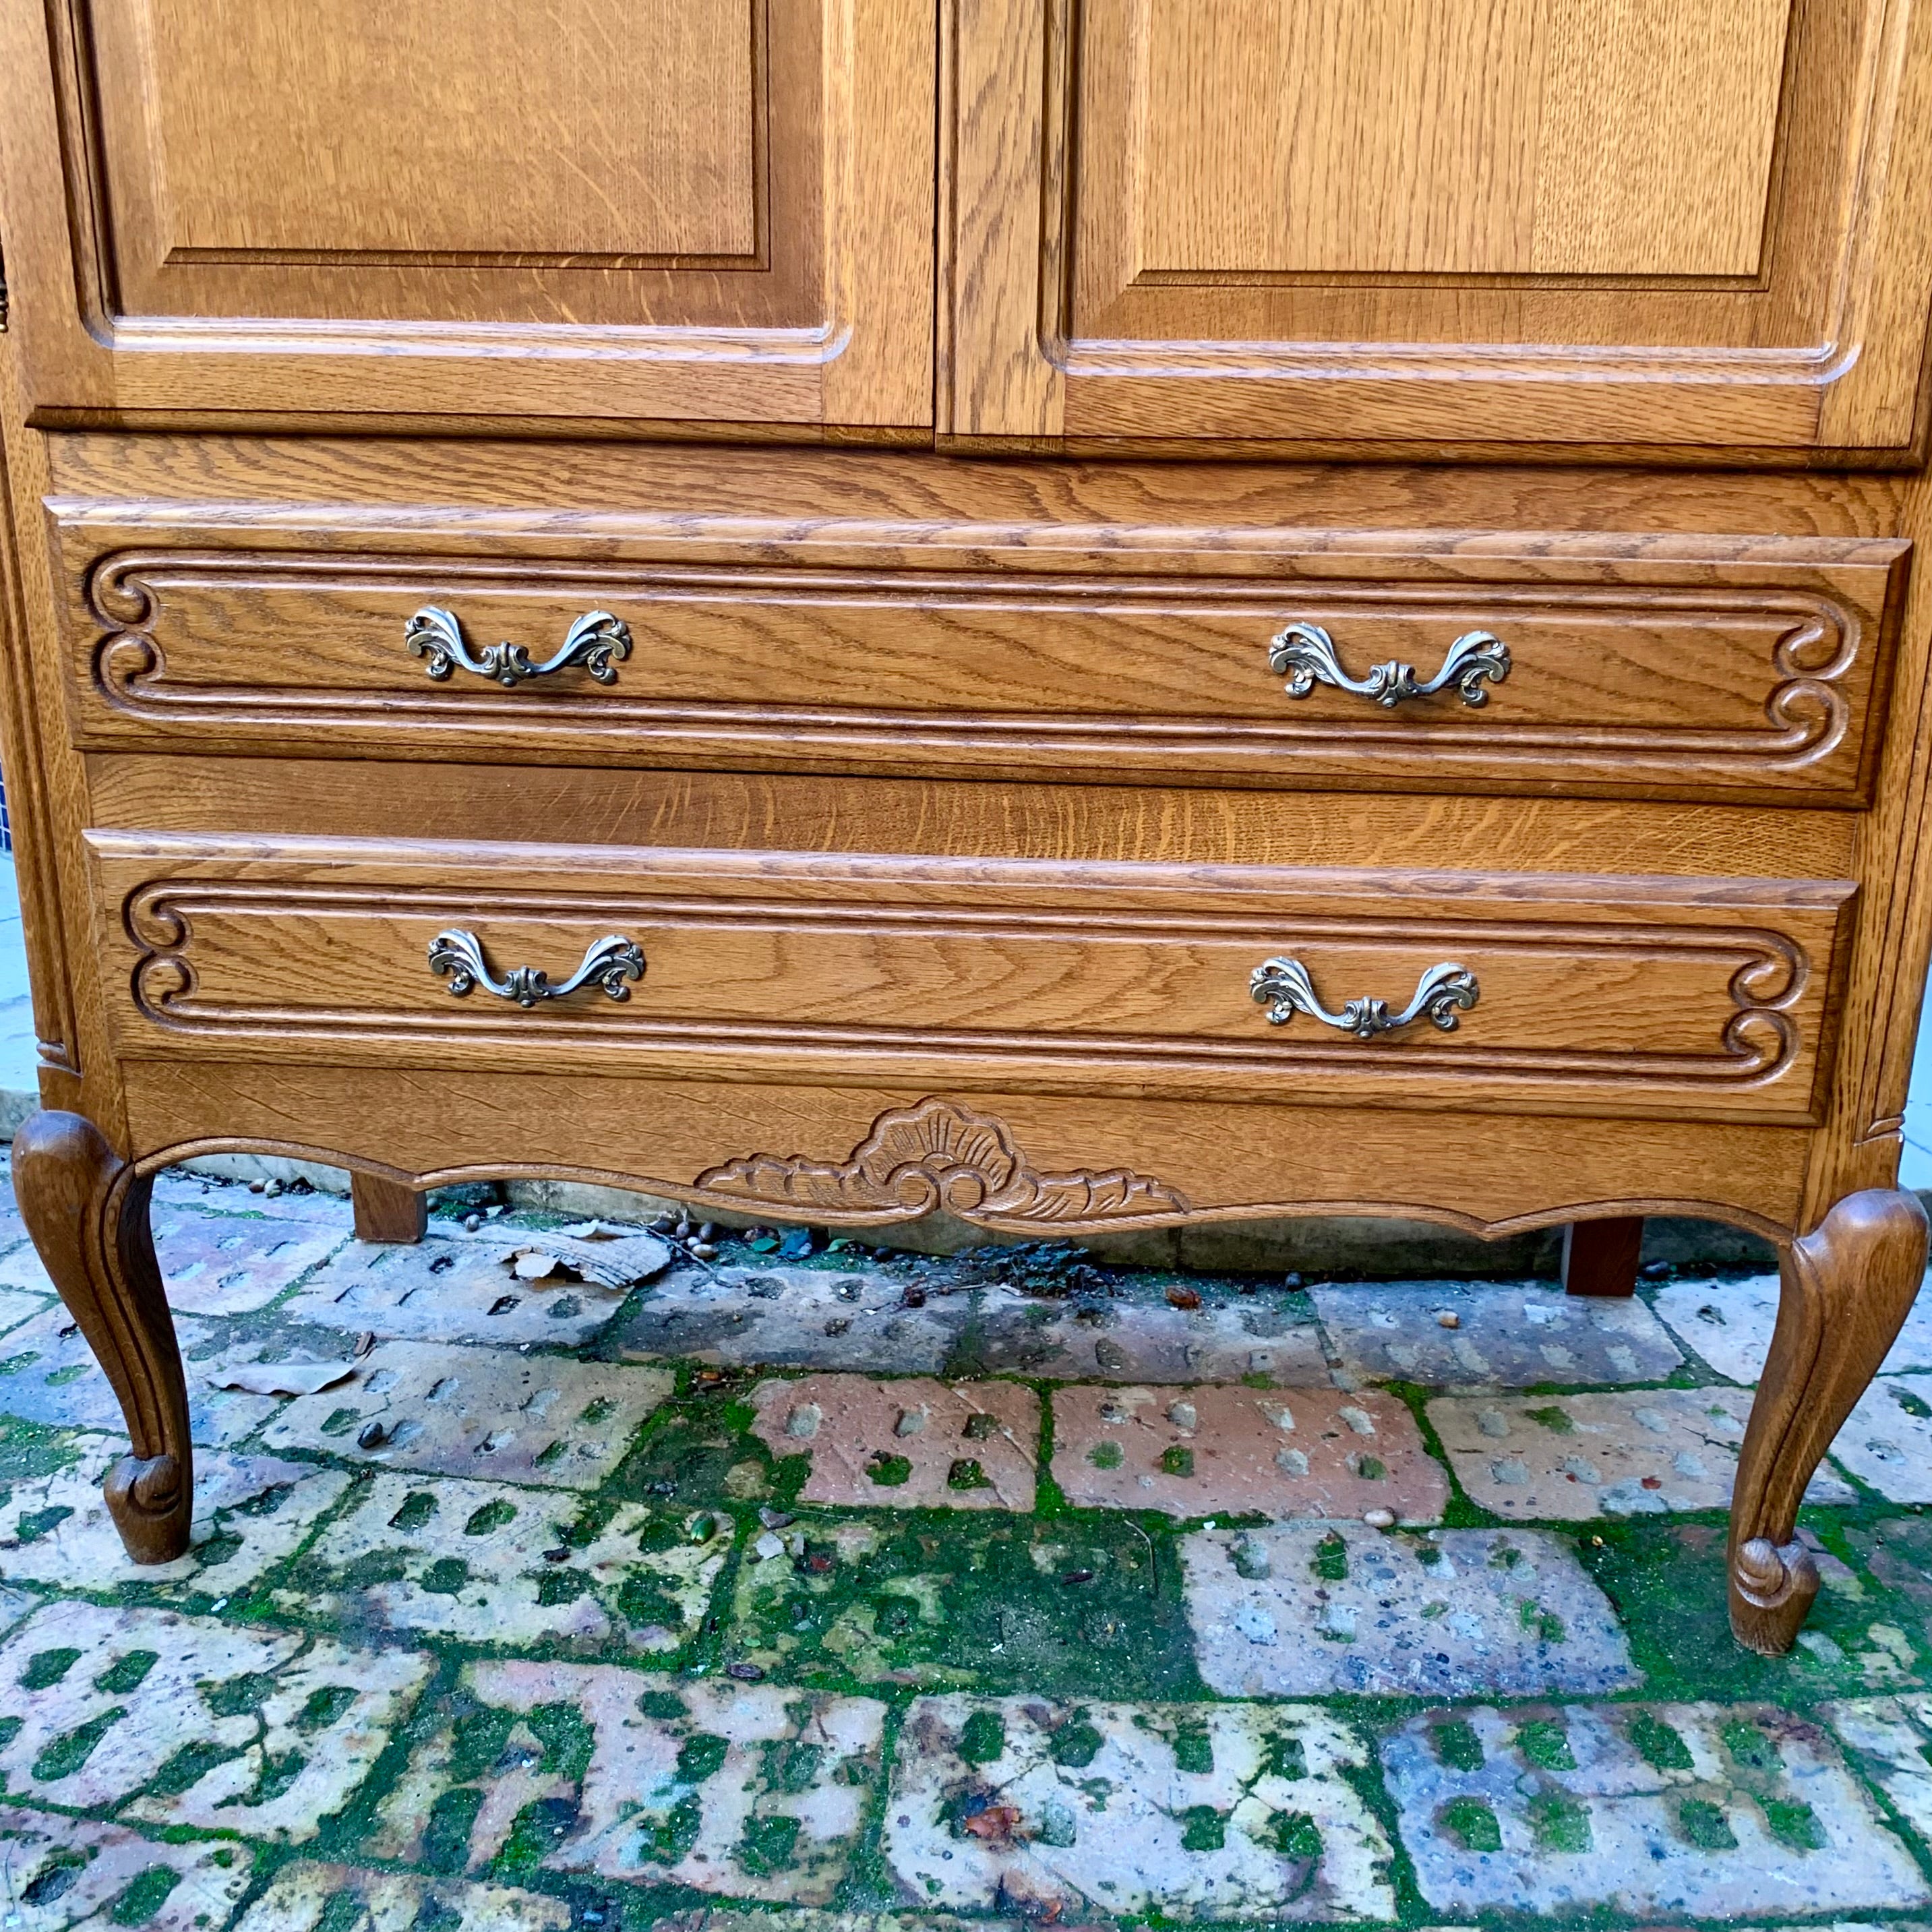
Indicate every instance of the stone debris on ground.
{"type": "Point", "coordinates": [805, 1587]}
{"type": "Point", "coordinates": [1504, 1335]}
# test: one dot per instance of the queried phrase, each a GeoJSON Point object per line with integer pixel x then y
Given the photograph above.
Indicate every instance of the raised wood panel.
{"type": "Point", "coordinates": [1683, 226]}
{"type": "Point", "coordinates": [1705, 997]}
{"type": "Point", "coordinates": [1221, 1162]}
{"type": "Point", "coordinates": [1744, 667]}
{"type": "Point", "coordinates": [586, 129]}
{"type": "Point", "coordinates": [702, 213]}
{"type": "Point", "coordinates": [1605, 137]}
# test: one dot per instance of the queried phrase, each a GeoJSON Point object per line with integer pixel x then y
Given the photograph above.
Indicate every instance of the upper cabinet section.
{"type": "Point", "coordinates": [1698, 227]}
{"type": "Point", "coordinates": [685, 213]}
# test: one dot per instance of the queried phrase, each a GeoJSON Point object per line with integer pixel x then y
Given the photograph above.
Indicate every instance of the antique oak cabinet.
{"type": "Point", "coordinates": [1102, 614]}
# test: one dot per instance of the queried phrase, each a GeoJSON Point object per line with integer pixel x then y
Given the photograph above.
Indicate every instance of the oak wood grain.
{"type": "Point", "coordinates": [691, 214]}
{"type": "Point", "coordinates": [1705, 997]}
{"type": "Point", "coordinates": [1486, 1174]}
{"type": "Point", "coordinates": [1605, 222]}
{"type": "Point", "coordinates": [1749, 669]}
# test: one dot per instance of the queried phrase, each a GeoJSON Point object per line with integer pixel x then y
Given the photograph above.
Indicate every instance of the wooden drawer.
{"type": "Point", "coordinates": [1692, 997]}
{"type": "Point", "coordinates": [1694, 666]}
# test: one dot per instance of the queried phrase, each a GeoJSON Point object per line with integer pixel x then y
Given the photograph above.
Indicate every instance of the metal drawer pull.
{"type": "Point", "coordinates": [608, 963]}
{"type": "Point", "coordinates": [1305, 655]}
{"type": "Point", "coordinates": [592, 641]}
{"type": "Point", "coordinates": [1283, 986]}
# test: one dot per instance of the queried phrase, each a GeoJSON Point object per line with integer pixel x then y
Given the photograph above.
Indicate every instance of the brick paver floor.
{"type": "Point", "coordinates": [805, 1588]}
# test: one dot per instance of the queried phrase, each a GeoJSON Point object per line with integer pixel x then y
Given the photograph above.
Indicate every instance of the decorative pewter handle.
{"type": "Point", "coordinates": [1283, 986]}
{"type": "Point", "coordinates": [592, 641]}
{"type": "Point", "coordinates": [608, 963]}
{"type": "Point", "coordinates": [1305, 655]}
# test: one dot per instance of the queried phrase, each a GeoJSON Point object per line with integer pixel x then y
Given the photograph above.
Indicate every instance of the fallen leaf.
{"type": "Point", "coordinates": [533, 1264]}
{"type": "Point", "coordinates": [612, 1262]}
{"type": "Point", "coordinates": [281, 1377]}
{"type": "Point", "coordinates": [996, 1825]}
{"type": "Point", "coordinates": [1183, 1298]}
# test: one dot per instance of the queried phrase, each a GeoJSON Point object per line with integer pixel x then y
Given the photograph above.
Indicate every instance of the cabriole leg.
{"type": "Point", "coordinates": [87, 1210]}
{"type": "Point", "coordinates": [1847, 1287]}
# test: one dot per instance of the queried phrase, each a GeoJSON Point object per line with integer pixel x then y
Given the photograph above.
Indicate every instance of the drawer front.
{"type": "Point", "coordinates": [1693, 996]}
{"type": "Point", "coordinates": [1722, 667]}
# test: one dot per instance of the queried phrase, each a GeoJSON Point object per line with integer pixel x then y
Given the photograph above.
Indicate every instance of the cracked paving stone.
{"type": "Point", "coordinates": [1892, 1738]}
{"type": "Point", "coordinates": [794, 1318]}
{"type": "Point", "coordinates": [1509, 1334]}
{"type": "Point", "coordinates": [48, 1374]}
{"type": "Point", "coordinates": [1201, 1812]}
{"type": "Point", "coordinates": [1212, 1450]}
{"type": "Point", "coordinates": [1571, 1457]}
{"type": "Point", "coordinates": [483, 1412]}
{"type": "Point", "coordinates": [310, 1897]}
{"type": "Point", "coordinates": [249, 1512]}
{"type": "Point", "coordinates": [1140, 1341]}
{"type": "Point", "coordinates": [1729, 1324]}
{"type": "Point", "coordinates": [451, 1288]}
{"type": "Point", "coordinates": [213, 1264]}
{"type": "Point", "coordinates": [744, 1790]}
{"type": "Point", "coordinates": [916, 1443]}
{"type": "Point", "coordinates": [1708, 1810]}
{"type": "Point", "coordinates": [1887, 1439]}
{"type": "Point", "coordinates": [1509, 1612]}
{"type": "Point", "coordinates": [259, 1732]}
{"type": "Point", "coordinates": [489, 1563]}
{"type": "Point", "coordinates": [58, 1873]}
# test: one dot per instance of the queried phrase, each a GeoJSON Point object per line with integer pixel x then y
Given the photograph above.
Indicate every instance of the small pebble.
{"type": "Point", "coordinates": [767, 1546]}
{"type": "Point", "coordinates": [561, 1554]}
{"type": "Point", "coordinates": [1448, 1319]}
{"type": "Point", "coordinates": [370, 1435]}
{"type": "Point", "coordinates": [746, 1673]}
{"type": "Point", "coordinates": [256, 1186]}
{"type": "Point", "coordinates": [1654, 1271]}
{"type": "Point", "coordinates": [1379, 1519]}
{"type": "Point", "coordinates": [708, 1231]}
{"type": "Point", "coordinates": [472, 1222]}
{"type": "Point", "coordinates": [1291, 1281]}
{"type": "Point", "coordinates": [271, 1189]}
{"type": "Point", "coordinates": [702, 1251]}
{"type": "Point", "coordinates": [683, 1231]}
{"type": "Point", "coordinates": [774, 1519]}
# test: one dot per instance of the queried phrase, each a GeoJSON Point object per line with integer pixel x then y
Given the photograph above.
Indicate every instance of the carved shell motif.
{"type": "Point", "coordinates": [933, 1156]}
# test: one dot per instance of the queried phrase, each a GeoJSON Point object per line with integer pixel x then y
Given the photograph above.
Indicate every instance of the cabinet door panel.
{"type": "Point", "coordinates": [706, 211]}
{"type": "Point", "coordinates": [1691, 225]}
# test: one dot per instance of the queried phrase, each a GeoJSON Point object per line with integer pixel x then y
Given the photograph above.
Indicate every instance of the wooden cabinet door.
{"type": "Point", "coordinates": [686, 212]}
{"type": "Point", "coordinates": [1696, 226]}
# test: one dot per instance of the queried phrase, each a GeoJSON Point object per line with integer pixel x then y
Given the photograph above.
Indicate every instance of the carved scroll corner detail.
{"type": "Point", "coordinates": [119, 592]}
{"type": "Point", "coordinates": [937, 1155]}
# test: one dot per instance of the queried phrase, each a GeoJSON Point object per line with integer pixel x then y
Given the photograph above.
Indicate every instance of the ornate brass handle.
{"type": "Point", "coordinates": [1305, 655]}
{"type": "Point", "coordinates": [592, 641]}
{"type": "Point", "coordinates": [1283, 986]}
{"type": "Point", "coordinates": [609, 963]}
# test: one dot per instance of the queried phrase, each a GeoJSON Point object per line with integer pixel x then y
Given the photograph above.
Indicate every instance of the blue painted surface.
{"type": "Point", "coordinates": [18, 1056]}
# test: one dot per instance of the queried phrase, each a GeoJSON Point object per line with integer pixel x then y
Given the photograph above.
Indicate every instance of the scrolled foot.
{"type": "Point", "coordinates": [87, 1210]}
{"type": "Point", "coordinates": [1847, 1286]}
{"type": "Point", "coordinates": [151, 1500]}
{"type": "Point", "coordinates": [1772, 1586]}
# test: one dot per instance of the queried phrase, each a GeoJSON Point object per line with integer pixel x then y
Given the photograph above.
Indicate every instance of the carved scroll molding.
{"type": "Point", "coordinates": [939, 1156]}
{"type": "Point", "coordinates": [1793, 717]}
